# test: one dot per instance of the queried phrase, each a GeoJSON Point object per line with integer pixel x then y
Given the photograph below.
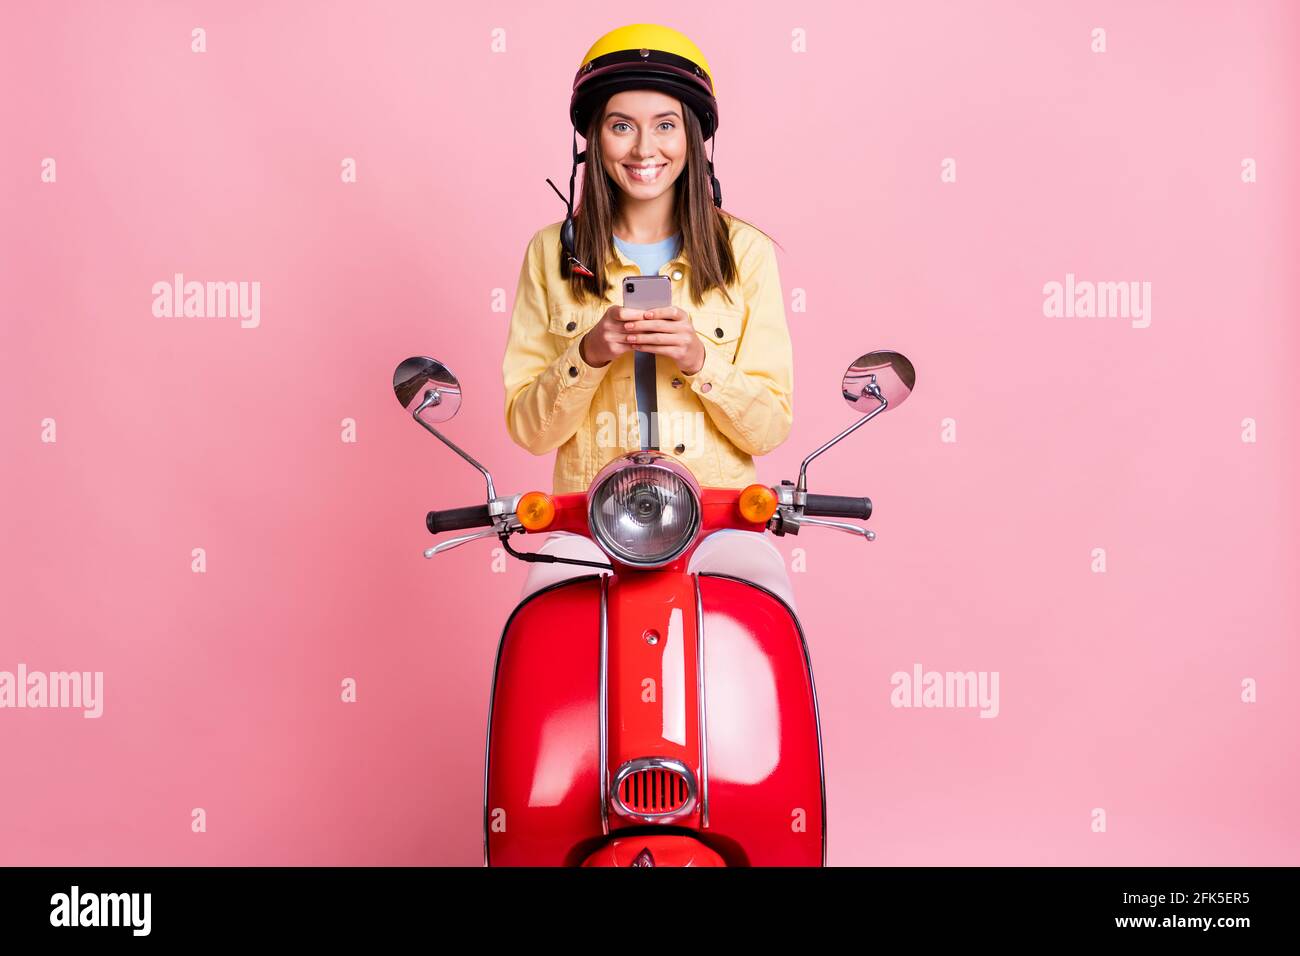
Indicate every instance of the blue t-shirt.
{"type": "Point", "coordinates": [650, 257]}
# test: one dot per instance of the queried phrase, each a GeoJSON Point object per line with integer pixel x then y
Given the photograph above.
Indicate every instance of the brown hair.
{"type": "Point", "coordinates": [704, 227]}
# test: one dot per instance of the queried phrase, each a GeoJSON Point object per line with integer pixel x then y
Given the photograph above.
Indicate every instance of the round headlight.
{"type": "Point", "coordinates": [645, 515]}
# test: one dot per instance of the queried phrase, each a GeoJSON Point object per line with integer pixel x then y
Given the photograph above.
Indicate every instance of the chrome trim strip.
{"type": "Point", "coordinates": [821, 763]}
{"type": "Point", "coordinates": [655, 763]}
{"type": "Point", "coordinates": [700, 705]}
{"type": "Point", "coordinates": [604, 705]}
{"type": "Point", "coordinates": [492, 691]}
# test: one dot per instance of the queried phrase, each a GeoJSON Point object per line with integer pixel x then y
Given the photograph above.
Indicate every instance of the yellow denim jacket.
{"type": "Point", "coordinates": [739, 404]}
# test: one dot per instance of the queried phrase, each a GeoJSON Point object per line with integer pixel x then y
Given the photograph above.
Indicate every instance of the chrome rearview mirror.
{"type": "Point", "coordinates": [431, 393]}
{"type": "Point", "coordinates": [872, 383]}
{"type": "Point", "coordinates": [426, 385]}
{"type": "Point", "coordinates": [889, 372]}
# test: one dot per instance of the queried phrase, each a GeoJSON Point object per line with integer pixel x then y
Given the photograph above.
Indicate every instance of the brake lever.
{"type": "Point", "coordinates": [457, 542]}
{"type": "Point", "coordinates": [839, 526]}
{"type": "Point", "coordinates": [789, 519]}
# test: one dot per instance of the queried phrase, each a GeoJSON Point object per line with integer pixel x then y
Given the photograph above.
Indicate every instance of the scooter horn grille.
{"type": "Point", "coordinates": [653, 788]}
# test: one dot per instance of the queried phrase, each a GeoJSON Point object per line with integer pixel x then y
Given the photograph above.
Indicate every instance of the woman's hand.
{"type": "Point", "coordinates": [666, 331]}
{"type": "Point", "coordinates": [606, 341]}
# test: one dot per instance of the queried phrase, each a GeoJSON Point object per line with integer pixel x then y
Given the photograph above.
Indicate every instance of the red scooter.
{"type": "Point", "coordinates": [652, 716]}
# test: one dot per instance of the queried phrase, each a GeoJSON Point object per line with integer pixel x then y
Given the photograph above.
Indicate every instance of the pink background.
{"type": "Point", "coordinates": [222, 690]}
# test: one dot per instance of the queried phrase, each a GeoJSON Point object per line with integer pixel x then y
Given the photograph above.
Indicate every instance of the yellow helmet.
{"type": "Point", "coordinates": [644, 56]}
{"type": "Point", "coordinates": [639, 56]}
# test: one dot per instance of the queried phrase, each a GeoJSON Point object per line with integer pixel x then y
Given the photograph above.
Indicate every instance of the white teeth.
{"type": "Point", "coordinates": [646, 173]}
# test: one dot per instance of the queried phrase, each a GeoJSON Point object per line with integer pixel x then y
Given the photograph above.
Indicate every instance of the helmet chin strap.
{"type": "Point", "coordinates": [567, 230]}
{"type": "Point", "coordinates": [713, 180]}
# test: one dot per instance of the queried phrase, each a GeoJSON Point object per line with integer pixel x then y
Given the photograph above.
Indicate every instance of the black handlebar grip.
{"type": "Point", "coordinates": [458, 519]}
{"type": "Point", "coordinates": [838, 506]}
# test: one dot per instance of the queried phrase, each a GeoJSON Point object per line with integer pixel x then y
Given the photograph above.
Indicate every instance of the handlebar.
{"type": "Point", "coordinates": [838, 506]}
{"type": "Point", "coordinates": [478, 516]}
{"type": "Point", "coordinates": [458, 519]}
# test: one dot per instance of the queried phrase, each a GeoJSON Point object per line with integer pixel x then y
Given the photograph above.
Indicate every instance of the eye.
{"type": "Point", "coordinates": [618, 124]}
{"type": "Point", "coordinates": [669, 124]}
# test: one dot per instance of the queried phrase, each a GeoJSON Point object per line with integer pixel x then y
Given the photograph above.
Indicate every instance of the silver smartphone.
{"type": "Point", "coordinates": [647, 292]}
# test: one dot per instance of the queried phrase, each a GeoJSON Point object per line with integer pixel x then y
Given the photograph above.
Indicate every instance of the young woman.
{"type": "Point", "coordinates": [581, 371]}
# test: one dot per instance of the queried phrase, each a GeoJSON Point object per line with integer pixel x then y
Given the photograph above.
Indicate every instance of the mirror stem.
{"type": "Point", "coordinates": [431, 397]}
{"type": "Point", "coordinates": [872, 389]}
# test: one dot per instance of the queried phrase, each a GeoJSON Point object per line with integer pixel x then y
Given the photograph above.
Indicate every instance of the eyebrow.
{"type": "Point", "coordinates": [656, 116]}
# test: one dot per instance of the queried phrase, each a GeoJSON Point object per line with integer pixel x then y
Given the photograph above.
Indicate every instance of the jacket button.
{"type": "Point", "coordinates": [571, 326]}
{"type": "Point", "coordinates": [677, 274]}
{"type": "Point", "coordinates": [677, 383]}
{"type": "Point", "coordinates": [573, 371]}
{"type": "Point", "coordinates": [706, 386]}
{"type": "Point", "coordinates": [679, 449]}
{"type": "Point", "coordinates": [719, 333]}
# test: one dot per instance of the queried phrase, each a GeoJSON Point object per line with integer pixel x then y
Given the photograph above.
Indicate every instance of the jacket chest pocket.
{"type": "Point", "coordinates": [568, 321]}
{"type": "Point", "coordinates": [720, 325]}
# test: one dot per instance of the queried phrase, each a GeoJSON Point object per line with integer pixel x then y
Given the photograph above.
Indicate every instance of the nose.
{"type": "Point", "coordinates": [644, 146]}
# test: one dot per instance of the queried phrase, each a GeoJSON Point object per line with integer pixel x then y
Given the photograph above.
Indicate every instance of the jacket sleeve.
{"type": "Point", "coordinates": [751, 399]}
{"type": "Point", "coordinates": [547, 388]}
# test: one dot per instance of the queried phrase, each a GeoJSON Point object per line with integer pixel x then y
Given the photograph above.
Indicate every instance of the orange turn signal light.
{"type": "Point", "coordinates": [757, 503]}
{"type": "Point", "coordinates": [536, 510]}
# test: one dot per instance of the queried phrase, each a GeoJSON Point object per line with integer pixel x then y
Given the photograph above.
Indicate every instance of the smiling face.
{"type": "Point", "coordinates": [643, 142]}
